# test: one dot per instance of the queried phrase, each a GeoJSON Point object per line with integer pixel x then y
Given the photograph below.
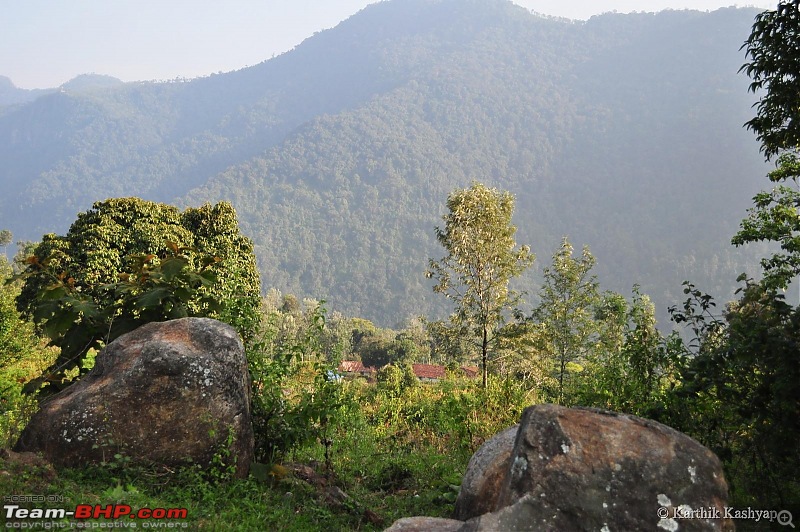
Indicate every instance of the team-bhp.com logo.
{"type": "Point", "coordinates": [88, 511]}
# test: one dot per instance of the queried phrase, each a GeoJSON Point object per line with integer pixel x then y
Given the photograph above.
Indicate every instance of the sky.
{"type": "Point", "coordinates": [44, 43]}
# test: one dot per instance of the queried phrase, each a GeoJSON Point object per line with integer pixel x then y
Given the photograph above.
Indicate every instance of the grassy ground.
{"type": "Point", "coordinates": [364, 493]}
{"type": "Point", "coordinates": [387, 461]}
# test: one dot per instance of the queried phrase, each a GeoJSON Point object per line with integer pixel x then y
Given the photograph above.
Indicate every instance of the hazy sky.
{"type": "Point", "coordinates": [44, 43]}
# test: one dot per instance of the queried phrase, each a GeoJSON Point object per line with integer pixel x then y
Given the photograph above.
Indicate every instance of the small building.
{"type": "Point", "coordinates": [355, 368]}
{"type": "Point", "coordinates": [424, 372]}
{"type": "Point", "coordinates": [429, 372]}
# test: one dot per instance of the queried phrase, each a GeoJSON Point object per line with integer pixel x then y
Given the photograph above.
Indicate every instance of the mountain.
{"type": "Point", "coordinates": [10, 94]}
{"type": "Point", "coordinates": [90, 82]}
{"type": "Point", "coordinates": [624, 132]}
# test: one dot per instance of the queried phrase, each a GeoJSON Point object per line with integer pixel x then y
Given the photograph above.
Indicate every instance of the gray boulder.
{"type": "Point", "coordinates": [424, 524]}
{"type": "Point", "coordinates": [486, 473]}
{"type": "Point", "coordinates": [588, 469]}
{"type": "Point", "coordinates": [170, 393]}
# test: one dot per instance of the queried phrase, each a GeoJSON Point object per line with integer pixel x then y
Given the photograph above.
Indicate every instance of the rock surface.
{"type": "Point", "coordinates": [425, 524]}
{"type": "Point", "coordinates": [587, 469]}
{"type": "Point", "coordinates": [168, 393]}
{"type": "Point", "coordinates": [486, 473]}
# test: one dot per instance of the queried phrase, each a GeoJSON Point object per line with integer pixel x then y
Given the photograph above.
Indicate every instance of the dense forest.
{"type": "Point", "coordinates": [623, 133]}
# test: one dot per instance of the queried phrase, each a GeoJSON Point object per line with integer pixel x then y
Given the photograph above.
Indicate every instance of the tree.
{"type": "Point", "coordinates": [5, 238]}
{"type": "Point", "coordinates": [740, 387]}
{"type": "Point", "coordinates": [22, 356]}
{"type": "Point", "coordinates": [635, 364]}
{"type": "Point", "coordinates": [482, 257]}
{"type": "Point", "coordinates": [126, 262]}
{"type": "Point", "coordinates": [565, 329]}
{"type": "Point", "coordinates": [743, 378]}
{"type": "Point", "coordinates": [774, 52]}
{"type": "Point", "coordinates": [775, 218]}
{"type": "Point", "coordinates": [774, 65]}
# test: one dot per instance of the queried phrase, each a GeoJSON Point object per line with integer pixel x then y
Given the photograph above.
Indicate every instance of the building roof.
{"type": "Point", "coordinates": [355, 366]}
{"type": "Point", "coordinates": [422, 371]}
{"type": "Point", "coordinates": [428, 371]}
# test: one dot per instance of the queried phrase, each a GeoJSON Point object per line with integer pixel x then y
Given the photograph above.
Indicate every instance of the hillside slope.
{"type": "Point", "coordinates": [624, 133]}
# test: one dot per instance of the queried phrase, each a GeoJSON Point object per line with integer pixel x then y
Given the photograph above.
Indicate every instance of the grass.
{"type": "Point", "coordinates": [379, 489]}
{"type": "Point", "coordinates": [387, 463]}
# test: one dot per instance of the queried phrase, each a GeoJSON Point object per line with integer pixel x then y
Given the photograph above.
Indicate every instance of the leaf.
{"type": "Point", "coordinates": [152, 298]}
{"type": "Point", "coordinates": [173, 266]}
{"type": "Point", "coordinates": [59, 324]}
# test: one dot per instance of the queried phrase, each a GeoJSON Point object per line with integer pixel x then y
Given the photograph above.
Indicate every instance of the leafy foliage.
{"type": "Point", "coordinates": [742, 384]}
{"type": "Point", "coordinates": [23, 356]}
{"type": "Point", "coordinates": [775, 218]}
{"type": "Point", "coordinates": [565, 327]}
{"type": "Point", "coordinates": [5, 238]}
{"type": "Point", "coordinates": [774, 66]}
{"type": "Point", "coordinates": [739, 384]}
{"type": "Point", "coordinates": [154, 290]}
{"type": "Point", "coordinates": [637, 371]}
{"type": "Point", "coordinates": [117, 269]}
{"type": "Point", "coordinates": [297, 394]}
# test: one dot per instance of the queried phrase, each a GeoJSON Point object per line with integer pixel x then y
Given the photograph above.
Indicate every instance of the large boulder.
{"type": "Point", "coordinates": [587, 469]}
{"type": "Point", "coordinates": [171, 393]}
{"type": "Point", "coordinates": [485, 476]}
{"type": "Point", "coordinates": [425, 524]}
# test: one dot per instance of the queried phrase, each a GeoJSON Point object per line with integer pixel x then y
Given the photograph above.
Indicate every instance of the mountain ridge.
{"type": "Point", "coordinates": [340, 153]}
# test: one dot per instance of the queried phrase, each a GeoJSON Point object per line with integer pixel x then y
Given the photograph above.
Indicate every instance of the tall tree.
{"type": "Point", "coordinates": [743, 378]}
{"type": "Point", "coordinates": [631, 369]}
{"type": "Point", "coordinates": [773, 50]}
{"type": "Point", "coordinates": [565, 326]}
{"type": "Point", "coordinates": [482, 257]}
{"type": "Point", "coordinates": [774, 65]}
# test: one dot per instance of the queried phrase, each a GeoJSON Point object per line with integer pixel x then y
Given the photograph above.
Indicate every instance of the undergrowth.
{"type": "Point", "coordinates": [391, 455]}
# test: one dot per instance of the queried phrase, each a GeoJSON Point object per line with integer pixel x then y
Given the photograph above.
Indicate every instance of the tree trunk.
{"type": "Point", "coordinates": [484, 353]}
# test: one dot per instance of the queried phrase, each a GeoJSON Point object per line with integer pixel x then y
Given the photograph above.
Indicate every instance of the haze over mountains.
{"type": "Point", "coordinates": [624, 133]}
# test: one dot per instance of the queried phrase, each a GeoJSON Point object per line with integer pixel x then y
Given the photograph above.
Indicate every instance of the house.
{"type": "Point", "coordinates": [424, 372]}
{"type": "Point", "coordinates": [356, 368]}
{"type": "Point", "coordinates": [429, 372]}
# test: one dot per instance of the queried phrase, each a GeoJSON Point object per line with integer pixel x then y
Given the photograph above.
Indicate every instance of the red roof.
{"type": "Point", "coordinates": [428, 371]}
{"type": "Point", "coordinates": [422, 371]}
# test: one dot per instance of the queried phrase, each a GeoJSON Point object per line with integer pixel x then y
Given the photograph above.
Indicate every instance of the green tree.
{"type": "Point", "coordinates": [773, 50]}
{"type": "Point", "coordinates": [740, 389]}
{"type": "Point", "coordinates": [22, 355]}
{"type": "Point", "coordinates": [482, 257]}
{"type": "Point", "coordinates": [774, 66]}
{"type": "Point", "coordinates": [565, 328]}
{"type": "Point", "coordinates": [5, 239]}
{"type": "Point", "coordinates": [635, 365]}
{"type": "Point", "coordinates": [751, 371]}
{"type": "Point", "coordinates": [448, 344]}
{"type": "Point", "coordinates": [25, 249]}
{"type": "Point", "coordinates": [126, 262]}
{"type": "Point", "coordinates": [775, 218]}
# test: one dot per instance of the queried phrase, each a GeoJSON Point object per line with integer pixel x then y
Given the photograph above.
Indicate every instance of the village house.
{"type": "Point", "coordinates": [424, 372]}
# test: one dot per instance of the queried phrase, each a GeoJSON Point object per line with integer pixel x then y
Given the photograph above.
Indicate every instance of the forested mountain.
{"type": "Point", "coordinates": [10, 94]}
{"type": "Point", "coordinates": [624, 132]}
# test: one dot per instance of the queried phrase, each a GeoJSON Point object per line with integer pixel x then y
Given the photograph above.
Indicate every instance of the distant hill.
{"type": "Point", "coordinates": [10, 94]}
{"type": "Point", "coordinates": [624, 132]}
{"type": "Point", "coordinates": [89, 82]}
